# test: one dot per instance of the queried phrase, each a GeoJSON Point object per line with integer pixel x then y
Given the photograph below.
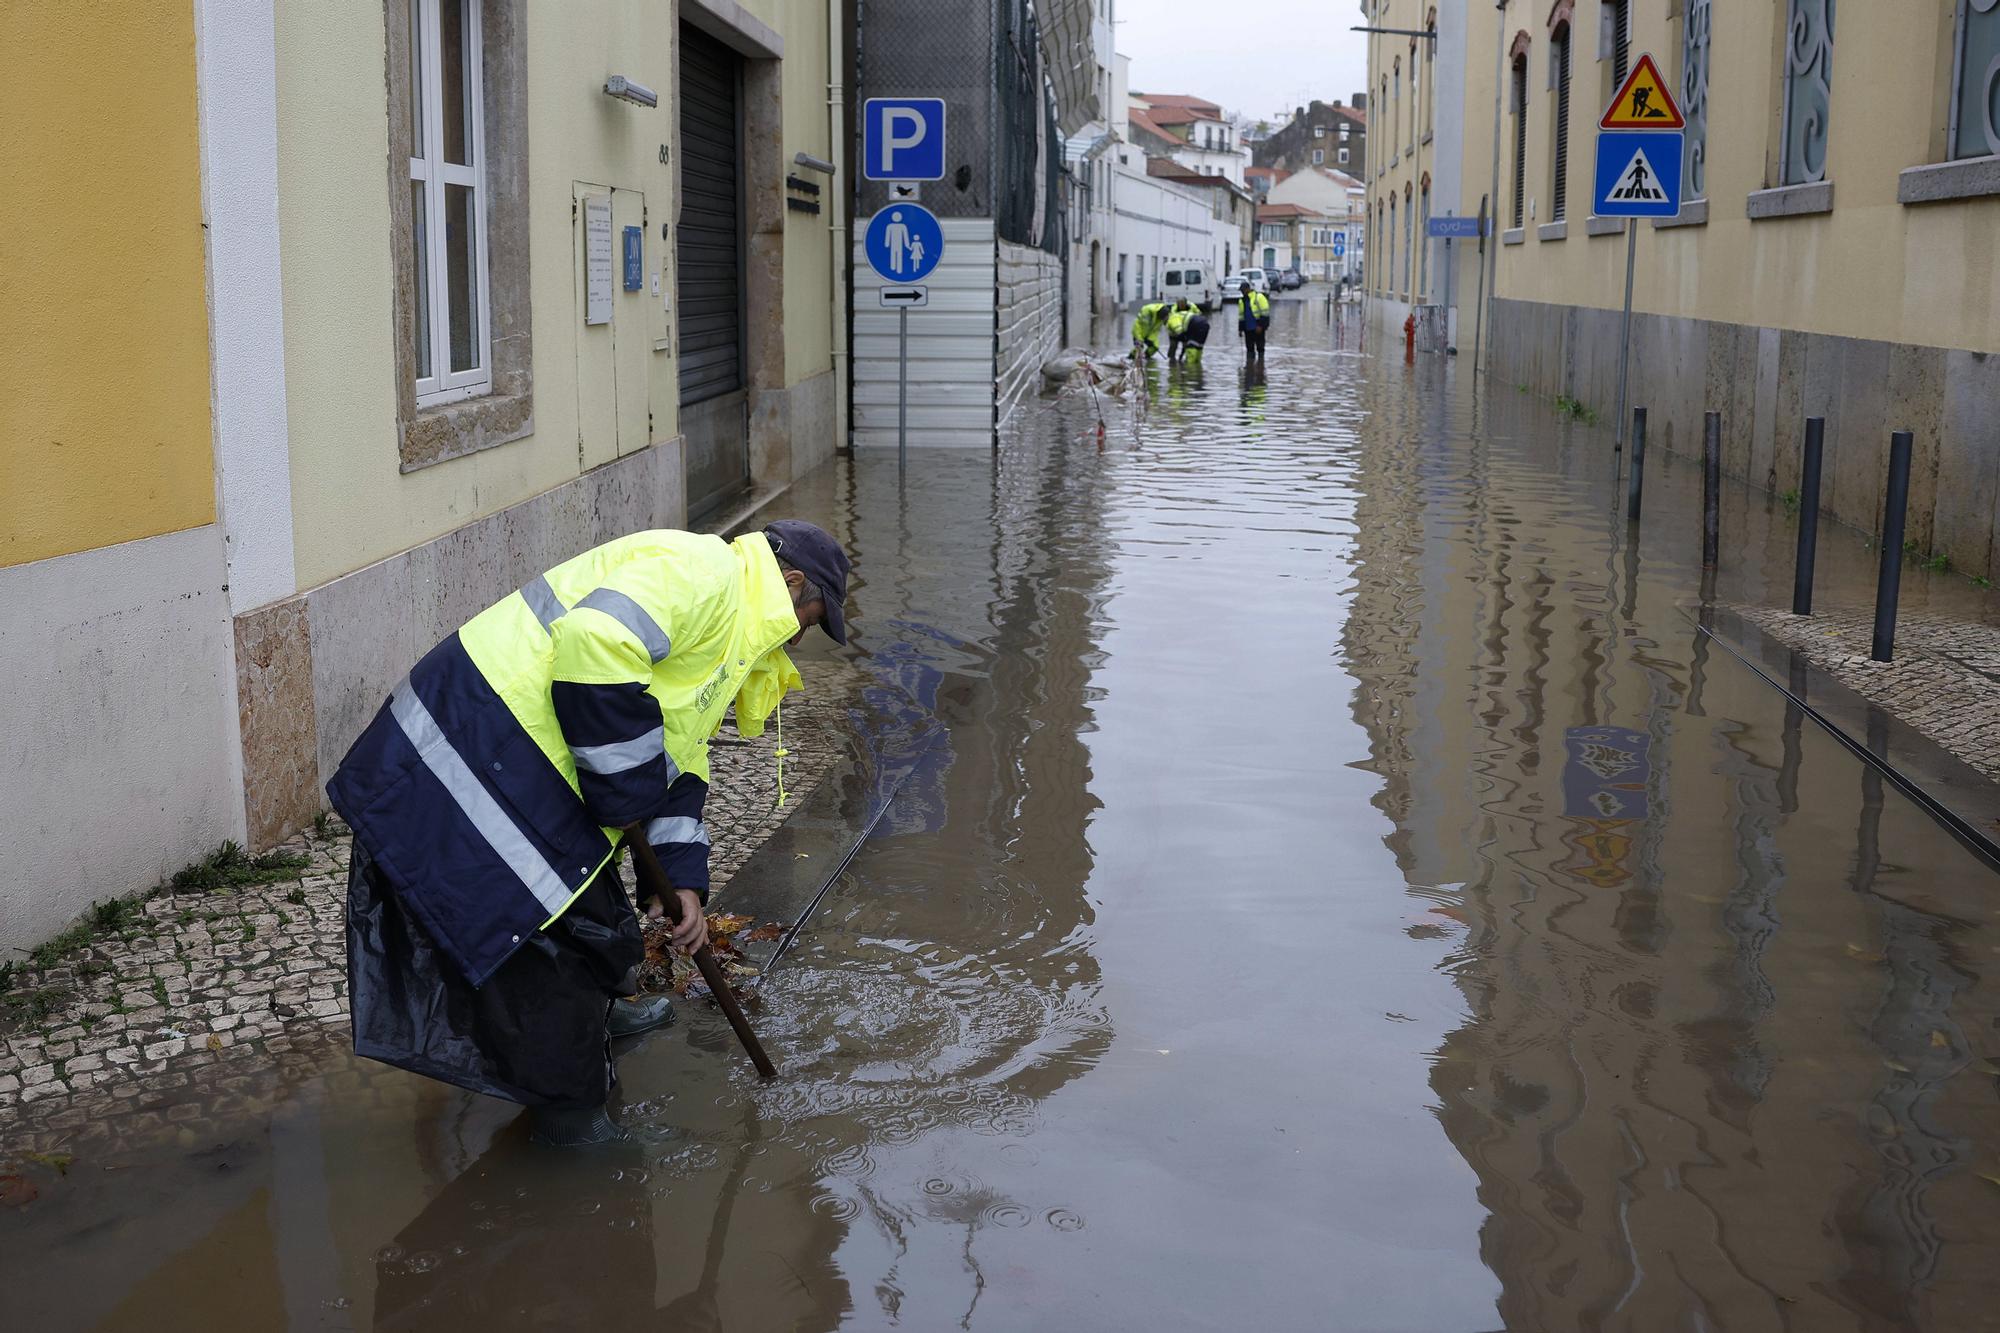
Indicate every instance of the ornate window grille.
{"type": "Point", "coordinates": [1808, 91]}
{"type": "Point", "coordinates": [1424, 255]}
{"type": "Point", "coordinates": [1975, 81]}
{"type": "Point", "coordinates": [1409, 240]}
{"type": "Point", "coordinates": [1559, 174]}
{"type": "Point", "coordinates": [1621, 41]}
{"type": "Point", "coordinates": [1389, 283]}
{"type": "Point", "coordinates": [1520, 138]}
{"type": "Point", "coordinates": [1694, 99]}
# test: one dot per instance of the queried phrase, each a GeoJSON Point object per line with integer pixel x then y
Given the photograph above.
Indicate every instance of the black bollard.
{"type": "Point", "coordinates": [1635, 484]}
{"type": "Point", "coordinates": [1802, 566]}
{"type": "Point", "coordinates": [1711, 490]}
{"type": "Point", "coordinates": [1889, 583]}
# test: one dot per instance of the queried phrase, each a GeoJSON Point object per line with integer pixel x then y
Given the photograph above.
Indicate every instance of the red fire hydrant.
{"type": "Point", "coordinates": [1410, 339]}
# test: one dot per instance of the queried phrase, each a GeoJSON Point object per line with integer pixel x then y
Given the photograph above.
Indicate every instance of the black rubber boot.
{"type": "Point", "coordinates": [573, 1127]}
{"type": "Point", "coordinates": [642, 1013]}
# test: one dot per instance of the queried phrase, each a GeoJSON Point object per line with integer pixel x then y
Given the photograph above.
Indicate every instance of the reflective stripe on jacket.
{"type": "Point", "coordinates": [490, 789]}
{"type": "Point", "coordinates": [1256, 310]}
{"type": "Point", "coordinates": [1146, 327]}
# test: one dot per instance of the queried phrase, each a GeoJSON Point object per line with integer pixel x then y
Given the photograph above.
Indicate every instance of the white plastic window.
{"type": "Point", "coordinates": [448, 201]}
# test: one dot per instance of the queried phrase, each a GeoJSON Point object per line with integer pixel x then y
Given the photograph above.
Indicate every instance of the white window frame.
{"type": "Point", "coordinates": [1343, 157]}
{"type": "Point", "coordinates": [444, 385]}
{"type": "Point", "coordinates": [1319, 157]}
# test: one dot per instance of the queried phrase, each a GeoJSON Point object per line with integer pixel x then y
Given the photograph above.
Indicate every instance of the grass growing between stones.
{"type": "Point", "coordinates": [229, 867]}
{"type": "Point", "coordinates": [26, 999]}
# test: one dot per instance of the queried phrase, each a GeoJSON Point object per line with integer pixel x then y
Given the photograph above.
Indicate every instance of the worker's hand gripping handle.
{"type": "Point", "coordinates": [653, 884]}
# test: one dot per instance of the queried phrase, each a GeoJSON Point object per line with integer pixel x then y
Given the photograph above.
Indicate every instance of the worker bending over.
{"type": "Point", "coordinates": [1146, 329]}
{"type": "Point", "coordinates": [1191, 337]}
{"type": "Point", "coordinates": [489, 936]}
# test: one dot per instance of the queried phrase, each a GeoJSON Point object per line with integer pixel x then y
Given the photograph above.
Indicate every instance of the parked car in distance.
{"type": "Point", "coordinates": [1287, 279]}
{"type": "Point", "coordinates": [1189, 281]}
{"type": "Point", "coordinates": [1232, 287]}
{"type": "Point", "coordinates": [1254, 280]}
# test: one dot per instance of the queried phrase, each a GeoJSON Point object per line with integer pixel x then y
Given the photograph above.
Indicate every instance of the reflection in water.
{"type": "Point", "coordinates": [1335, 887]}
{"type": "Point", "coordinates": [1712, 1090]}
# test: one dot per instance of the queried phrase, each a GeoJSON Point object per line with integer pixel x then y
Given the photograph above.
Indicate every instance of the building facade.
{"type": "Point", "coordinates": [1089, 171]}
{"type": "Point", "coordinates": [1334, 245]}
{"type": "Point", "coordinates": [433, 295]}
{"type": "Point", "coordinates": [1324, 134]}
{"type": "Point", "coordinates": [1205, 141]}
{"type": "Point", "coordinates": [1427, 129]}
{"type": "Point", "coordinates": [1828, 258]}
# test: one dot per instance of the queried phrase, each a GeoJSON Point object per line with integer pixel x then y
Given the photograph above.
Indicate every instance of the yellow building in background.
{"type": "Point", "coordinates": [394, 304]}
{"type": "Point", "coordinates": [1833, 255]}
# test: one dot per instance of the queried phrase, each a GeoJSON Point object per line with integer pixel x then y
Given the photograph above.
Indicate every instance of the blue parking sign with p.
{"type": "Point", "coordinates": [902, 139]}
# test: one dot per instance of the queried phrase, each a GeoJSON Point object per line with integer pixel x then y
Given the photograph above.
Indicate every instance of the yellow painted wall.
{"type": "Point", "coordinates": [104, 421]}
{"type": "Point", "coordinates": [1872, 268]}
{"type": "Point", "coordinates": [1398, 156]}
{"type": "Point", "coordinates": [808, 253]}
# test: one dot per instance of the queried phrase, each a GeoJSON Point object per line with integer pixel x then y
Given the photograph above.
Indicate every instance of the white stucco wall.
{"type": "Point", "coordinates": [120, 720]}
{"type": "Point", "coordinates": [236, 57]}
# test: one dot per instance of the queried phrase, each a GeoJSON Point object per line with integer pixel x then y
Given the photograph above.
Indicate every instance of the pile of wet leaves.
{"type": "Point", "coordinates": [669, 969]}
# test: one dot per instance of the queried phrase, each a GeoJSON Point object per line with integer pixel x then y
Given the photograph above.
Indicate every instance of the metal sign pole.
{"type": "Point", "coordinates": [902, 389]}
{"type": "Point", "coordinates": [1625, 331]}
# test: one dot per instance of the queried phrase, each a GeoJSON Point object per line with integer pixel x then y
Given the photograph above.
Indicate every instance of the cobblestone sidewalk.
{"type": "Point", "coordinates": [1945, 680]}
{"type": "Point", "coordinates": [230, 986]}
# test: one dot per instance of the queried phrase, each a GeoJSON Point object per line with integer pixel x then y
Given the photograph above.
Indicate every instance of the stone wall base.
{"type": "Point", "coordinates": [1766, 382]}
{"type": "Point", "coordinates": [313, 669]}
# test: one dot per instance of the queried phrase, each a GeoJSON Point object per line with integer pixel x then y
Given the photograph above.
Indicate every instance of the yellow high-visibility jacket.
{"type": "Point", "coordinates": [491, 788]}
{"type": "Point", "coordinates": [1146, 327]}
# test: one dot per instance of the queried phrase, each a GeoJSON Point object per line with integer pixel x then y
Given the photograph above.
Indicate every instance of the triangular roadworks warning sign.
{"type": "Point", "coordinates": [1638, 183]}
{"type": "Point", "coordinates": [1643, 103]}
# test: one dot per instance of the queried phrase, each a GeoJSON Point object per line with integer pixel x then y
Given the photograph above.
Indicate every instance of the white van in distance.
{"type": "Point", "coordinates": [1188, 280]}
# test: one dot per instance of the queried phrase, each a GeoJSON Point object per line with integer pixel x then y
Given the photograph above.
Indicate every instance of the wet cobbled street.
{"type": "Point", "coordinates": [1339, 888]}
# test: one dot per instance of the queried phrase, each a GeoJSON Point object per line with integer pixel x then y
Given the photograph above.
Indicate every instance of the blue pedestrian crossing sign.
{"type": "Point", "coordinates": [1638, 174]}
{"type": "Point", "coordinates": [904, 243]}
{"type": "Point", "coordinates": [902, 139]}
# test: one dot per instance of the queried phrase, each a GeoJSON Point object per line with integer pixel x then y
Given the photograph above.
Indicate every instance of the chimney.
{"type": "Point", "coordinates": [1360, 101]}
{"type": "Point", "coordinates": [1300, 114]}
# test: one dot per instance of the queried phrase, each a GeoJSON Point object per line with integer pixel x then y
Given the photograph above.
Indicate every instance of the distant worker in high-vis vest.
{"type": "Point", "coordinates": [489, 936]}
{"type": "Point", "coordinates": [1253, 320]}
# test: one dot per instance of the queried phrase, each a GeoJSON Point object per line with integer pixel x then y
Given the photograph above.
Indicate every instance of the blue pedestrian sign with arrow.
{"type": "Point", "coordinates": [904, 243]}
{"type": "Point", "coordinates": [902, 139]}
{"type": "Point", "coordinates": [1638, 174]}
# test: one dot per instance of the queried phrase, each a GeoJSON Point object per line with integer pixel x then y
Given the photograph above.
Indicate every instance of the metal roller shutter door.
{"type": "Point", "coordinates": [708, 249]}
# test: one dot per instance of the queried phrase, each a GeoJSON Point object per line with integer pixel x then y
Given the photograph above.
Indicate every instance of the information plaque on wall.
{"type": "Point", "coordinates": [599, 263]}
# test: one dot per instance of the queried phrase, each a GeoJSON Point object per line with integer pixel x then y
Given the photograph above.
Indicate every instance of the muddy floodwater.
{"type": "Point", "coordinates": [1346, 893]}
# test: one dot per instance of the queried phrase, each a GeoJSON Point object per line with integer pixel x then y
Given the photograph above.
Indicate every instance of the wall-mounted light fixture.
{"type": "Point", "coordinates": [811, 163]}
{"type": "Point", "coordinates": [625, 90]}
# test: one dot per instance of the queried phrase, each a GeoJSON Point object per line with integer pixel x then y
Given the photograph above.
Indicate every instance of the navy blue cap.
{"type": "Point", "coordinates": [812, 551]}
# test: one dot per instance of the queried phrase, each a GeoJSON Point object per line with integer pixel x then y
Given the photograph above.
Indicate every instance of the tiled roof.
{"type": "Point", "coordinates": [1179, 108]}
{"type": "Point", "coordinates": [1144, 128]}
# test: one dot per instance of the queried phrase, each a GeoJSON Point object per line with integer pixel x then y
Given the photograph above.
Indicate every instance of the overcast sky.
{"type": "Point", "coordinates": [1253, 56]}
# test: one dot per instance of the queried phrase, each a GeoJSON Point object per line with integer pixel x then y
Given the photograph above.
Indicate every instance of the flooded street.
{"type": "Point", "coordinates": [1343, 890]}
